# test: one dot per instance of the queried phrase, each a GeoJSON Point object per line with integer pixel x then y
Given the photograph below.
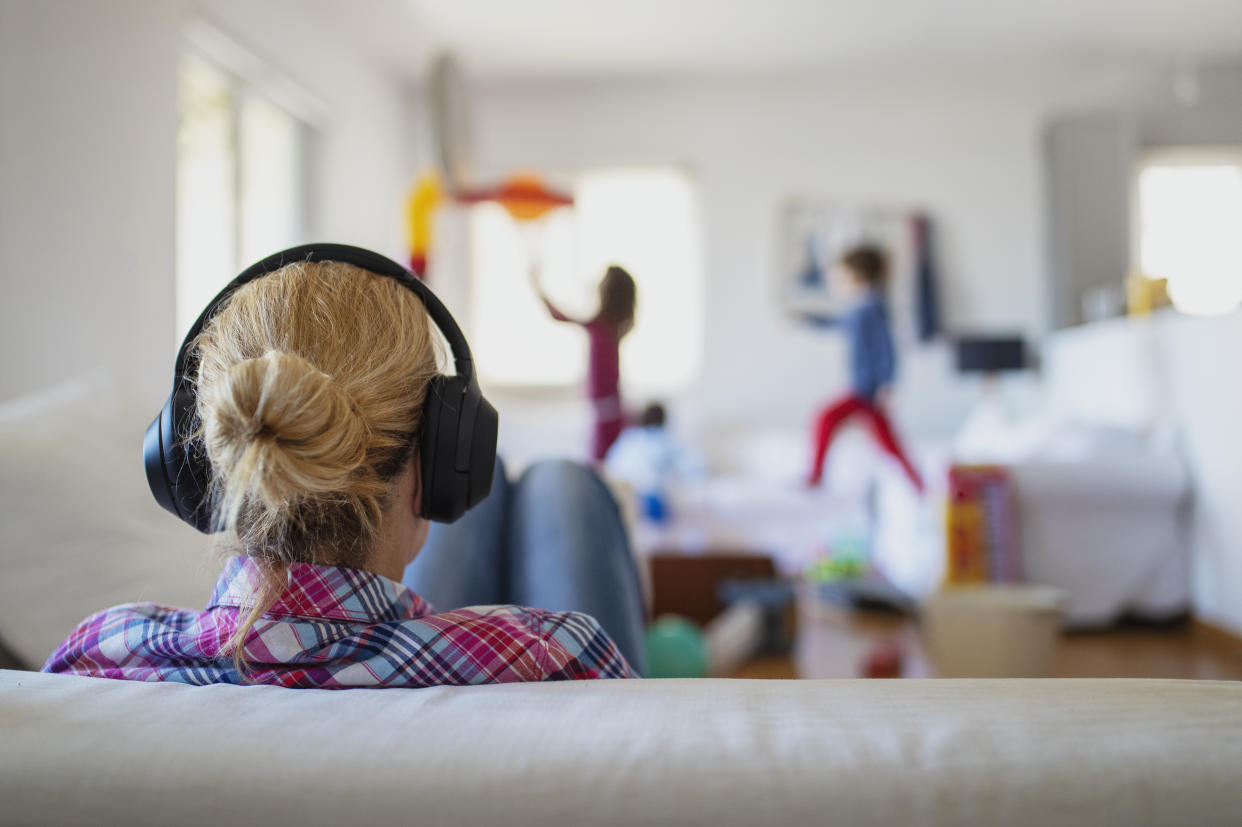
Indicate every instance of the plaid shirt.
{"type": "Point", "coordinates": [336, 628]}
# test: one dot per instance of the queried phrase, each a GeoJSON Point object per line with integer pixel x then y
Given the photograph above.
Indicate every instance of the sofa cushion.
{"type": "Point", "coordinates": [79, 530]}
{"type": "Point", "coordinates": [1016, 752]}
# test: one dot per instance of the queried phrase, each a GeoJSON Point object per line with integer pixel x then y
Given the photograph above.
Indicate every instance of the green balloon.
{"type": "Point", "coordinates": [676, 648]}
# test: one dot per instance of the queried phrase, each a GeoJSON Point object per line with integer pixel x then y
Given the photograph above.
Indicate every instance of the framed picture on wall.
{"type": "Point", "coordinates": [813, 234]}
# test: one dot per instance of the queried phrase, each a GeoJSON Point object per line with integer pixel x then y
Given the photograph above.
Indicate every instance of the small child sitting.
{"type": "Point", "coordinates": [650, 459]}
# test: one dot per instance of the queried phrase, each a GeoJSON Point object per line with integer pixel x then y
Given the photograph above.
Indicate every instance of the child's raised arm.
{"type": "Point", "coordinates": [543, 297]}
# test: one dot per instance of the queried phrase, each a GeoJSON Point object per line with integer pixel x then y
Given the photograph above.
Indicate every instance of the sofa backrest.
{"type": "Point", "coordinates": [710, 752]}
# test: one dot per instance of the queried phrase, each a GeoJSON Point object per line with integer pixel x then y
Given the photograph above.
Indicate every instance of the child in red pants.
{"type": "Point", "coordinates": [863, 272]}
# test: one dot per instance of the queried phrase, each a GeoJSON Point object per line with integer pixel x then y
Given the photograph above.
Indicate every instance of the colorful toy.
{"type": "Point", "coordinates": [420, 213]}
{"type": "Point", "coordinates": [848, 558]}
{"type": "Point", "coordinates": [981, 539]}
{"type": "Point", "coordinates": [523, 196]}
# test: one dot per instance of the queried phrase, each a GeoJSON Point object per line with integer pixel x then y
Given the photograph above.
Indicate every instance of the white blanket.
{"type": "Point", "coordinates": [710, 752]}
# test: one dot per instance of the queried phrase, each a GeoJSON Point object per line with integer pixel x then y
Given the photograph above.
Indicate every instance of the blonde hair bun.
{"type": "Point", "coordinates": [310, 386]}
{"type": "Point", "coordinates": [286, 428]}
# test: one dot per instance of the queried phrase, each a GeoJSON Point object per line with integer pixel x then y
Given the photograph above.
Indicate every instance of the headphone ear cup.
{"type": "Point", "coordinates": [441, 418]}
{"type": "Point", "coordinates": [482, 451]}
{"type": "Point", "coordinates": [178, 472]}
{"type": "Point", "coordinates": [458, 448]}
{"type": "Point", "coordinates": [153, 458]}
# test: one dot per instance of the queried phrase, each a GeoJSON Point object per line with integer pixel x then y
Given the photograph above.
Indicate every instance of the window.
{"type": "Point", "coordinates": [240, 181]}
{"type": "Point", "coordinates": [1190, 227]}
{"type": "Point", "coordinates": [645, 220]}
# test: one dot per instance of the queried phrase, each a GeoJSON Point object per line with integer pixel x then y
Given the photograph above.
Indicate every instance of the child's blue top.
{"type": "Point", "coordinates": [872, 361]}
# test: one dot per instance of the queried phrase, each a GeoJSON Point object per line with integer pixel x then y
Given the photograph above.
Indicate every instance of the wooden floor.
{"type": "Point", "coordinates": [834, 642]}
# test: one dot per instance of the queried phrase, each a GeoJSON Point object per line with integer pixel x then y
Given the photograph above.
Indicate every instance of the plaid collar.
{"type": "Point", "coordinates": [329, 592]}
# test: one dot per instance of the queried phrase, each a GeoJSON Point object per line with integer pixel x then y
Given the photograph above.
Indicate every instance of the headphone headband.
{"type": "Point", "coordinates": [365, 259]}
{"type": "Point", "coordinates": [457, 438]}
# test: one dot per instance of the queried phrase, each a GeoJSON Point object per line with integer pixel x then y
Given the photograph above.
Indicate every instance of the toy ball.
{"type": "Point", "coordinates": [676, 648]}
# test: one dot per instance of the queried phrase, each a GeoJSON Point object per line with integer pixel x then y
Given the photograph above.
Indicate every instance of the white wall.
{"type": "Point", "coordinates": [88, 128]}
{"type": "Point", "coordinates": [1207, 402]}
{"type": "Point", "coordinates": [966, 151]}
{"type": "Point", "coordinates": [88, 119]}
{"type": "Point", "coordinates": [1215, 119]}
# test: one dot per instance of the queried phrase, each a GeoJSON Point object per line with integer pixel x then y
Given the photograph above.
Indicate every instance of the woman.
{"type": "Point", "coordinates": [617, 298]}
{"type": "Point", "coordinates": [310, 389]}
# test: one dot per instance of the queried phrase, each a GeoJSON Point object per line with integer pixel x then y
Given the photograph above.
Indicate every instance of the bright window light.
{"type": "Point", "coordinates": [1190, 232]}
{"type": "Point", "coordinates": [513, 339]}
{"type": "Point", "coordinates": [645, 220]}
{"type": "Point", "coordinates": [269, 143]}
{"type": "Point", "coordinates": [206, 188]}
{"type": "Point", "coordinates": [240, 181]}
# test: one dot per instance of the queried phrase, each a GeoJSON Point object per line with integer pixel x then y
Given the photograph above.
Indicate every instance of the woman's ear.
{"type": "Point", "coordinates": [418, 485]}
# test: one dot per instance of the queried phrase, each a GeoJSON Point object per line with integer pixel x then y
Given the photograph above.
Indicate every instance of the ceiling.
{"type": "Point", "coordinates": [500, 40]}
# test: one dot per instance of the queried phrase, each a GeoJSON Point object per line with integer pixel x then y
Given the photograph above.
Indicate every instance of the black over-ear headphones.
{"type": "Point", "coordinates": [457, 443]}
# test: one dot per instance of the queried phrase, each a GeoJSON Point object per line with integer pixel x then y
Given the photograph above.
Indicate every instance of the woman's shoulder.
{"type": "Point", "coordinates": [143, 613]}
{"type": "Point", "coordinates": [110, 634]}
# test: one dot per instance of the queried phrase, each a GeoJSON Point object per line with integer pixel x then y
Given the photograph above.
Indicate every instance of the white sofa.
{"type": "Point", "coordinates": [79, 530]}
{"type": "Point", "coordinates": [706, 752]}
{"type": "Point", "coordinates": [1110, 534]}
